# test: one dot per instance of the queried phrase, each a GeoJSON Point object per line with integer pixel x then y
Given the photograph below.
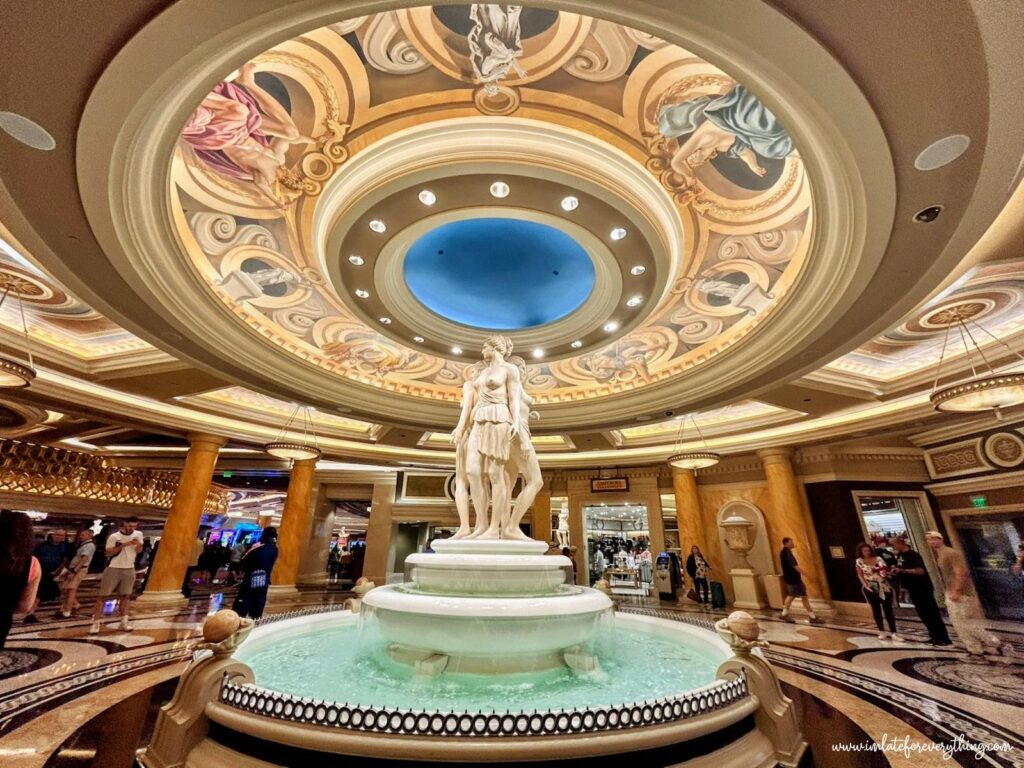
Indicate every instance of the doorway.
{"type": "Point", "coordinates": [618, 547]}
{"type": "Point", "coordinates": [898, 515]}
{"type": "Point", "coordinates": [991, 545]}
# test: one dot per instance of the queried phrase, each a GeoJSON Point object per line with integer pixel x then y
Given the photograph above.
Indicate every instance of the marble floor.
{"type": "Point", "coordinates": [68, 698]}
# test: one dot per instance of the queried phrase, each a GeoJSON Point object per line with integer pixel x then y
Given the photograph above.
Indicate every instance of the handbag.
{"type": "Point", "coordinates": [691, 594]}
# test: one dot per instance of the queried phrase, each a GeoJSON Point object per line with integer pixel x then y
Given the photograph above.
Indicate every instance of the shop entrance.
{"type": "Point", "coordinates": [618, 547]}
{"type": "Point", "coordinates": [991, 544]}
{"type": "Point", "coordinates": [885, 516]}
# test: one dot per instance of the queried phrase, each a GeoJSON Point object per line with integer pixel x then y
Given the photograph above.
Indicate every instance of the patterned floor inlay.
{"type": "Point", "coordinates": [17, 662]}
{"type": "Point", "coordinates": [990, 680]}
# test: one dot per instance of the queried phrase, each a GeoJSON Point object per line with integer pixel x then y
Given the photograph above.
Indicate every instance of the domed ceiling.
{"type": "Point", "coordinates": [374, 197]}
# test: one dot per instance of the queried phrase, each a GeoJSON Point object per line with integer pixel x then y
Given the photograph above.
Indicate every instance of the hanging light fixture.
{"type": "Point", "coordinates": [14, 372]}
{"type": "Point", "coordinates": [296, 450]}
{"type": "Point", "coordinates": [985, 389]}
{"type": "Point", "coordinates": [692, 459]}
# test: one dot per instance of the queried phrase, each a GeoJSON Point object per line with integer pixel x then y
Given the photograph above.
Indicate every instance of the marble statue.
{"type": "Point", "coordinates": [522, 461]}
{"type": "Point", "coordinates": [494, 42]}
{"type": "Point", "coordinates": [493, 422]}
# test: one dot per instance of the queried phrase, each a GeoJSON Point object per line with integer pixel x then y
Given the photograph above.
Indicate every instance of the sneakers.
{"type": "Point", "coordinates": [789, 618]}
{"type": "Point", "coordinates": [126, 625]}
{"type": "Point", "coordinates": [883, 635]}
{"type": "Point", "coordinates": [898, 639]}
{"type": "Point", "coordinates": [1005, 649]}
{"type": "Point", "coordinates": [816, 620]}
{"type": "Point", "coordinates": [94, 628]}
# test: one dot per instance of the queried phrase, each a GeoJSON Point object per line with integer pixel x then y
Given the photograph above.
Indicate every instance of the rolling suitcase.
{"type": "Point", "coordinates": [717, 595]}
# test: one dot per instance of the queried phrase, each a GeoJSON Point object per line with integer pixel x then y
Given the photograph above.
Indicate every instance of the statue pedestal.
{"type": "Point", "coordinates": [774, 592]}
{"type": "Point", "coordinates": [746, 586]}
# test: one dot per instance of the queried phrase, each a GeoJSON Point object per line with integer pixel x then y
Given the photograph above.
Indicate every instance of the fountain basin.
{"type": "Point", "coordinates": [492, 635]}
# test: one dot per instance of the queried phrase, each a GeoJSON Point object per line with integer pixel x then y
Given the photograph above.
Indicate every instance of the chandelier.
{"type": "Point", "coordinates": [985, 389]}
{"type": "Point", "coordinates": [15, 372]}
{"type": "Point", "coordinates": [284, 447]}
{"type": "Point", "coordinates": [692, 459]}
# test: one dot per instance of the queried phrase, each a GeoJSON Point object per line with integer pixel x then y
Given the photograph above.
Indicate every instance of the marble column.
{"type": "Point", "coordinates": [789, 516]}
{"type": "Point", "coordinates": [577, 536]}
{"type": "Point", "coordinates": [295, 521]}
{"type": "Point", "coordinates": [688, 512]}
{"type": "Point", "coordinates": [540, 516]}
{"type": "Point", "coordinates": [380, 534]}
{"type": "Point", "coordinates": [163, 590]}
{"type": "Point", "coordinates": [655, 524]}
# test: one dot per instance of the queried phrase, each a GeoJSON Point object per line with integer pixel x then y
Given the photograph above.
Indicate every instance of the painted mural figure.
{"type": "Point", "coordinates": [494, 42]}
{"type": "Point", "coordinates": [736, 122]}
{"type": "Point", "coordinates": [243, 132]}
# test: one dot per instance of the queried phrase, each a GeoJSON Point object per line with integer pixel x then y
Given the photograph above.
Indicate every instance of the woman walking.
{"type": "Point", "coordinates": [19, 570]}
{"type": "Point", "coordinates": [699, 570]}
{"type": "Point", "coordinates": [257, 565]}
{"type": "Point", "coordinates": [875, 583]}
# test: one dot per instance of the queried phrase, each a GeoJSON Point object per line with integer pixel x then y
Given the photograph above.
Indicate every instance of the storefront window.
{"type": "Point", "coordinates": [618, 547]}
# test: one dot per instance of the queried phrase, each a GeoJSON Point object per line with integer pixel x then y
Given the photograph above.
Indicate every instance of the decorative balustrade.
{"type": "Point", "coordinates": [57, 472]}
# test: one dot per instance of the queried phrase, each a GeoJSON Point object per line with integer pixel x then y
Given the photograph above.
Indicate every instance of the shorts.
{"type": "Point", "coordinates": [74, 580]}
{"type": "Point", "coordinates": [796, 589]}
{"type": "Point", "coordinates": [117, 581]}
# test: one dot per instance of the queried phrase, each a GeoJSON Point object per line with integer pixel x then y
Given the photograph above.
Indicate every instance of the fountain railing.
{"type": "Point", "coordinates": [556, 722]}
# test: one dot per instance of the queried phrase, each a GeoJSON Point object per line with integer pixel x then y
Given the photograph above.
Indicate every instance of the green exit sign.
{"type": "Point", "coordinates": [227, 474]}
{"type": "Point", "coordinates": [979, 501]}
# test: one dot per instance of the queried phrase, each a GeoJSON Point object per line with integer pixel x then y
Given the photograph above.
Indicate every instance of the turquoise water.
{"type": "Point", "coordinates": [337, 664]}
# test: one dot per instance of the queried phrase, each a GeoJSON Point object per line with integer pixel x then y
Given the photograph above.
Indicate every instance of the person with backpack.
{"type": "Point", "coordinates": [257, 565]}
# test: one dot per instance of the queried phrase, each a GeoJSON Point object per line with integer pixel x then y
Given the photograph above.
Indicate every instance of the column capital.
{"type": "Point", "coordinates": [205, 442]}
{"type": "Point", "coordinates": [782, 455]}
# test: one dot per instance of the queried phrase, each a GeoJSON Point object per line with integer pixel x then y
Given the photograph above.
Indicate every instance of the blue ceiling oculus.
{"type": "Point", "coordinates": [499, 274]}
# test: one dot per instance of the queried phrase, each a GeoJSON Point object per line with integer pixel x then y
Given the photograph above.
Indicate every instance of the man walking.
{"type": "Point", "coordinates": [77, 570]}
{"type": "Point", "coordinates": [793, 577]}
{"type": "Point", "coordinates": [118, 578]}
{"type": "Point", "coordinates": [962, 601]}
{"type": "Point", "coordinates": [914, 578]}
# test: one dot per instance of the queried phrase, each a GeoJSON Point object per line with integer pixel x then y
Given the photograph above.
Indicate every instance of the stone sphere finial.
{"type": "Point", "coordinates": [221, 626]}
{"type": "Point", "coordinates": [743, 625]}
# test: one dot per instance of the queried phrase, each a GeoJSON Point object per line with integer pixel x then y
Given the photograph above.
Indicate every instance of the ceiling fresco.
{"type": "Point", "coordinates": [256, 155]}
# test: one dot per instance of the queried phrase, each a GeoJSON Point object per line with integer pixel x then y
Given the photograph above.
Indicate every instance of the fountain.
{"type": "Point", "coordinates": [482, 654]}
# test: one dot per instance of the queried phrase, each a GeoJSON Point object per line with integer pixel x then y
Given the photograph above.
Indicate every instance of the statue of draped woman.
{"type": "Point", "coordinates": [492, 424]}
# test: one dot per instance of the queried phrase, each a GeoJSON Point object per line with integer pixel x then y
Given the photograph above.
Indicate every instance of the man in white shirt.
{"type": "Point", "coordinates": [118, 579]}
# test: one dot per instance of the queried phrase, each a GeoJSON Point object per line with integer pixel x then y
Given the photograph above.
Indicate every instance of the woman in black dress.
{"type": "Point", "coordinates": [256, 565]}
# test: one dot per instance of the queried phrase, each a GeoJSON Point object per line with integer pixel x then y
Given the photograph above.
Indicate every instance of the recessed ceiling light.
{"type": "Point", "coordinates": [635, 301]}
{"type": "Point", "coordinates": [617, 234]}
{"type": "Point", "coordinates": [356, 260]}
{"type": "Point", "coordinates": [611, 326]}
{"type": "Point", "coordinates": [942, 152]}
{"type": "Point", "coordinates": [456, 350]}
{"type": "Point", "coordinates": [570, 203]}
{"type": "Point", "coordinates": [418, 339]}
{"type": "Point", "coordinates": [638, 270]}
{"type": "Point", "coordinates": [386, 320]}
{"type": "Point", "coordinates": [28, 132]}
{"type": "Point", "coordinates": [427, 197]}
{"type": "Point", "coordinates": [362, 294]}
{"type": "Point", "coordinates": [378, 226]}
{"type": "Point", "coordinates": [576, 344]}
{"type": "Point", "coordinates": [500, 189]}
{"type": "Point", "coordinates": [538, 353]}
